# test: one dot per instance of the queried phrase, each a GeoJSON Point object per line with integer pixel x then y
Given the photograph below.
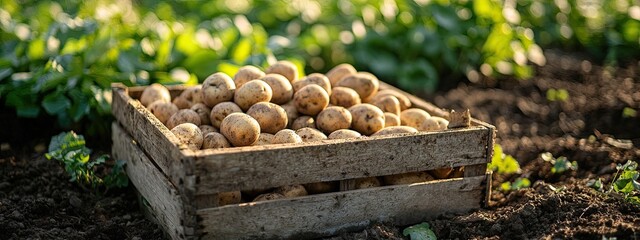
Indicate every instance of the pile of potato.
{"type": "Point", "coordinates": [274, 106]}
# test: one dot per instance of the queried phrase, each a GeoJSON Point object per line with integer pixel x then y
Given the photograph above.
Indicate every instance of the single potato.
{"type": "Point", "coordinates": [286, 136]}
{"type": "Point", "coordinates": [367, 119]}
{"type": "Point", "coordinates": [155, 92]}
{"type": "Point", "coordinates": [221, 110]}
{"type": "Point", "coordinates": [193, 94]}
{"type": "Point", "coordinates": [441, 173]}
{"type": "Point", "coordinates": [182, 103]}
{"type": "Point", "coordinates": [252, 92]}
{"type": "Point", "coordinates": [217, 88]}
{"type": "Point", "coordinates": [310, 134]}
{"type": "Point", "coordinates": [413, 117]}
{"type": "Point", "coordinates": [203, 111]}
{"type": "Point", "coordinates": [281, 87]}
{"type": "Point", "coordinates": [344, 134]}
{"type": "Point", "coordinates": [292, 191]}
{"type": "Point", "coordinates": [314, 78]}
{"type": "Point", "coordinates": [333, 118]}
{"type": "Point", "coordinates": [183, 116]}
{"type": "Point", "coordinates": [395, 130]}
{"type": "Point", "coordinates": [338, 72]}
{"type": "Point", "coordinates": [162, 110]}
{"type": "Point", "coordinates": [271, 117]}
{"type": "Point", "coordinates": [303, 122]}
{"type": "Point", "coordinates": [227, 198]}
{"type": "Point", "coordinates": [370, 182]}
{"type": "Point", "coordinates": [391, 119]}
{"type": "Point", "coordinates": [345, 97]}
{"type": "Point", "coordinates": [264, 139]}
{"type": "Point", "coordinates": [207, 129]}
{"type": "Point", "coordinates": [188, 134]}
{"type": "Point", "coordinates": [286, 69]}
{"type": "Point", "coordinates": [364, 83]}
{"type": "Point", "coordinates": [268, 196]}
{"type": "Point", "coordinates": [215, 140]}
{"type": "Point", "coordinates": [405, 103]}
{"type": "Point", "coordinates": [247, 73]}
{"type": "Point", "coordinates": [311, 99]}
{"type": "Point", "coordinates": [388, 104]}
{"type": "Point", "coordinates": [240, 129]}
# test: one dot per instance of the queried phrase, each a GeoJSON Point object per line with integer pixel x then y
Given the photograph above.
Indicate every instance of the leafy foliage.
{"type": "Point", "coordinates": [625, 183]}
{"type": "Point", "coordinates": [69, 148]}
{"type": "Point", "coordinates": [557, 94]}
{"type": "Point", "coordinates": [560, 164]}
{"type": "Point", "coordinates": [503, 163]}
{"type": "Point", "coordinates": [519, 183]}
{"type": "Point", "coordinates": [420, 231]}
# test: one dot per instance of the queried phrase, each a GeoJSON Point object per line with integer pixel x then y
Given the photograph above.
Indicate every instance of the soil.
{"type": "Point", "coordinates": [38, 201]}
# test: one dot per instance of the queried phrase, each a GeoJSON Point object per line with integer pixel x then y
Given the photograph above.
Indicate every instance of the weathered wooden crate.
{"type": "Point", "coordinates": [178, 185]}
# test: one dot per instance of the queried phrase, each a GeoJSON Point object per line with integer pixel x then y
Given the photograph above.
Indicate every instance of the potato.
{"type": "Point", "coordinates": [221, 110]}
{"type": "Point", "coordinates": [264, 139]}
{"type": "Point", "coordinates": [311, 99]}
{"type": "Point", "coordinates": [443, 124]}
{"type": "Point", "coordinates": [193, 94]}
{"type": "Point", "coordinates": [369, 182]}
{"type": "Point", "coordinates": [364, 83]}
{"type": "Point", "coordinates": [252, 92]}
{"type": "Point", "coordinates": [271, 117]}
{"type": "Point", "coordinates": [162, 110]}
{"type": "Point", "coordinates": [429, 124]}
{"type": "Point", "coordinates": [281, 87]}
{"type": "Point", "coordinates": [314, 78]}
{"type": "Point", "coordinates": [291, 191]}
{"type": "Point", "coordinates": [155, 92]}
{"type": "Point", "coordinates": [367, 119]}
{"type": "Point", "coordinates": [215, 140]}
{"type": "Point", "coordinates": [292, 113]}
{"type": "Point", "coordinates": [240, 129]}
{"type": "Point", "coordinates": [345, 97]}
{"type": "Point", "coordinates": [183, 116]}
{"type": "Point", "coordinates": [388, 104]}
{"type": "Point", "coordinates": [338, 72]}
{"type": "Point", "coordinates": [405, 103]}
{"type": "Point", "coordinates": [203, 111]}
{"type": "Point", "coordinates": [344, 134]}
{"type": "Point", "coordinates": [247, 73]}
{"type": "Point", "coordinates": [303, 122]}
{"type": "Point", "coordinates": [395, 130]}
{"type": "Point", "coordinates": [207, 129]}
{"type": "Point", "coordinates": [333, 118]}
{"type": "Point", "coordinates": [286, 69]}
{"type": "Point", "coordinates": [441, 173]}
{"type": "Point", "coordinates": [182, 103]}
{"type": "Point", "coordinates": [391, 119]}
{"type": "Point", "coordinates": [217, 88]}
{"type": "Point", "coordinates": [407, 178]}
{"type": "Point", "coordinates": [286, 136]}
{"type": "Point", "coordinates": [310, 134]}
{"type": "Point", "coordinates": [268, 196]}
{"type": "Point", "coordinates": [321, 187]}
{"type": "Point", "coordinates": [226, 198]}
{"type": "Point", "coordinates": [252, 194]}
{"type": "Point", "coordinates": [188, 134]}
{"type": "Point", "coordinates": [413, 117]}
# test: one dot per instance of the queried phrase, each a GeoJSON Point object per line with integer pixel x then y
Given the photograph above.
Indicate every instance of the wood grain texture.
{"type": "Point", "coordinates": [163, 198]}
{"type": "Point", "coordinates": [332, 213]}
{"type": "Point", "coordinates": [267, 166]}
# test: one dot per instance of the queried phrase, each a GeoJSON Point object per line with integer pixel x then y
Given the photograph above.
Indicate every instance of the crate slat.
{"type": "Point", "coordinates": [328, 214]}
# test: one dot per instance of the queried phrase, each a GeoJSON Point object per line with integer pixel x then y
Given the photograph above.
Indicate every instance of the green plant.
{"type": "Point", "coordinates": [624, 183]}
{"type": "Point", "coordinates": [69, 148]}
{"type": "Point", "coordinates": [502, 163]}
{"type": "Point", "coordinates": [557, 94]}
{"type": "Point", "coordinates": [628, 112]}
{"type": "Point", "coordinates": [519, 183]}
{"type": "Point", "coordinates": [420, 231]}
{"type": "Point", "coordinates": [560, 164]}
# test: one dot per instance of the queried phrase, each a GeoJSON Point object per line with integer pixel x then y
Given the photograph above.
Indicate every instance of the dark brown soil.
{"type": "Point", "coordinates": [38, 201]}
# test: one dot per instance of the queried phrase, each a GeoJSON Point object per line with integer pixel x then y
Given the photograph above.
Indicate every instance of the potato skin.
{"type": "Point", "coordinates": [286, 136]}
{"type": "Point", "coordinates": [292, 113]}
{"type": "Point", "coordinates": [155, 92]}
{"type": "Point", "coordinates": [303, 122]}
{"type": "Point", "coordinates": [391, 119]}
{"type": "Point", "coordinates": [310, 135]}
{"type": "Point", "coordinates": [193, 94]}
{"type": "Point", "coordinates": [188, 134]}
{"type": "Point", "coordinates": [413, 117]}
{"type": "Point", "coordinates": [395, 130]}
{"type": "Point", "coordinates": [207, 129]}
{"type": "Point", "coordinates": [268, 196]}
{"type": "Point", "coordinates": [314, 78]}
{"type": "Point", "coordinates": [252, 92]}
{"type": "Point", "coordinates": [286, 69]}
{"type": "Point", "coordinates": [441, 173]}
{"type": "Point", "coordinates": [226, 198]}
{"type": "Point", "coordinates": [344, 134]}
{"type": "Point", "coordinates": [271, 117]}
{"type": "Point", "coordinates": [405, 103]}
{"type": "Point", "coordinates": [215, 140]}
{"type": "Point", "coordinates": [321, 187]}
{"type": "Point", "coordinates": [182, 103]}
{"type": "Point", "coordinates": [247, 73]}
{"type": "Point", "coordinates": [217, 88]}
{"type": "Point", "coordinates": [162, 110]}
{"type": "Point", "coordinates": [281, 87]}
{"type": "Point", "coordinates": [407, 178]}
{"type": "Point", "coordinates": [183, 116]}
{"type": "Point", "coordinates": [203, 111]}
{"type": "Point", "coordinates": [345, 97]}
{"type": "Point", "coordinates": [240, 129]}
{"type": "Point", "coordinates": [292, 191]}
{"type": "Point", "coordinates": [338, 72]}
{"type": "Point", "coordinates": [370, 182]}
{"type": "Point", "coordinates": [333, 118]}
{"type": "Point", "coordinates": [365, 84]}
{"type": "Point", "coordinates": [221, 110]}
{"type": "Point", "coordinates": [264, 139]}
{"type": "Point", "coordinates": [311, 99]}
{"type": "Point", "coordinates": [367, 119]}
{"type": "Point", "coordinates": [388, 104]}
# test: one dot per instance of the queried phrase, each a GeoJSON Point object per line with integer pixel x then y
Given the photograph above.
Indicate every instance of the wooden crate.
{"type": "Point", "coordinates": [178, 184]}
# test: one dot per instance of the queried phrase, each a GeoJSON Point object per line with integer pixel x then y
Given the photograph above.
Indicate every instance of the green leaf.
{"type": "Point", "coordinates": [420, 231]}
{"type": "Point", "coordinates": [596, 184]}
{"type": "Point", "coordinates": [55, 103]}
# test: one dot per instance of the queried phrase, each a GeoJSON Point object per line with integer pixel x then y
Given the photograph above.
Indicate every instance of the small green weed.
{"type": "Point", "coordinates": [519, 183]}
{"type": "Point", "coordinates": [625, 183]}
{"type": "Point", "coordinates": [69, 148]}
{"type": "Point", "coordinates": [420, 231]}
{"type": "Point", "coordinates": [557, 94]}
{"type": "Point", "coordinates": [560, 164]}
{"type": "Point", "coordinates": [628, 112]}
{"type": "Point", "coordinates": [502, 163]}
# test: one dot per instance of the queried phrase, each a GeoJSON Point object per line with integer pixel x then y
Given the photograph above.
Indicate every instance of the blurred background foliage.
{"type": "Point", "coordinates": [58, 58]}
